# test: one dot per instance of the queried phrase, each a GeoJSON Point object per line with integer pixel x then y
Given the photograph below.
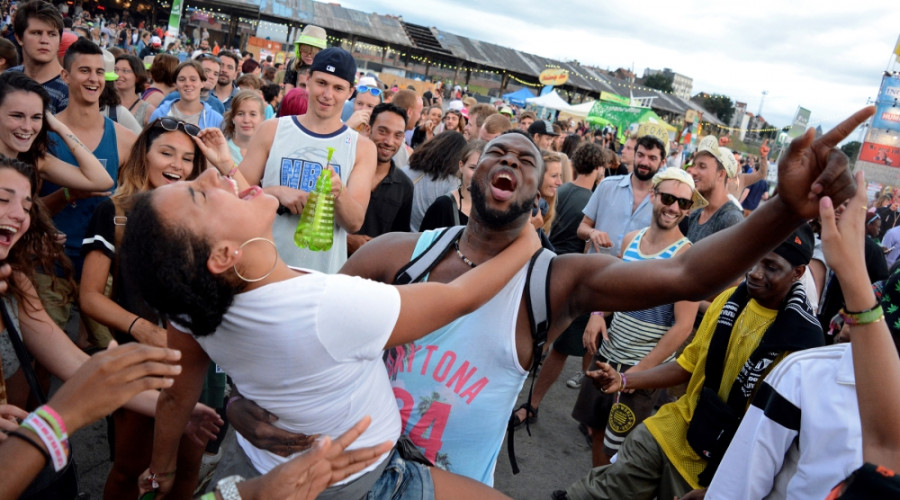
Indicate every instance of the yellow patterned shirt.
{"type": "Point", "coordinates": [669, 425]}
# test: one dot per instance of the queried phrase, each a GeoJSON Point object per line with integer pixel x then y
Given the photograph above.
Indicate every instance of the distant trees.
{"type": "Point", "coordinates": [660, 81]}
{"type": "Point", "coordinates": [721, 105]}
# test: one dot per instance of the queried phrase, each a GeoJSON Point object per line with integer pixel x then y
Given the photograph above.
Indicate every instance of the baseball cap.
{"type": "Point", "coordinates": [109, 66]}
{"type": "Point", "coordinates": [542, 127]}
{"type": "Point", "coordinates": [335, 61]}
{"type": "Point", "coordinates": [506, 110]}
{"type": "Point", "coordinates": [367, 81]}
{"type": "Point", "coordinates": [676, 174]}
{"type": "Point", "coordinates": [710, 144]}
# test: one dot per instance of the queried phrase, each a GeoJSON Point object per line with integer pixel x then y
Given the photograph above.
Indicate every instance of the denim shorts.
{"type": "Point", "coordinates": [402, 479]}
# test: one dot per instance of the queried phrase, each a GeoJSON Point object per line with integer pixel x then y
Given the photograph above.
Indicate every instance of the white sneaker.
{"type": "Point", "coordinates": [575, 381]}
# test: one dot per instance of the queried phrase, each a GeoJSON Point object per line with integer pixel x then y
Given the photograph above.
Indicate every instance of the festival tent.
{"type": "Point", "coordinates": [622, 117]}
{"type": "Point", "coordinates": [518, 97]}
{"type": "Point", "coordinates": [582, 109]}
{"type": "Point", "coordinates": [550, 101]}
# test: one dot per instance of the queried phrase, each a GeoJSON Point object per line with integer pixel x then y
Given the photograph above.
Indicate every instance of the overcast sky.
{"type": "Point", "coordinates": [825, 56]}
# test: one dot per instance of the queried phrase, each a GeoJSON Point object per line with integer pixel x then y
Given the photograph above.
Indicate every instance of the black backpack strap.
{"type": "Point", "coordinates": [537, 302]}
{"type": "Point", "coordinates": [416, 269]}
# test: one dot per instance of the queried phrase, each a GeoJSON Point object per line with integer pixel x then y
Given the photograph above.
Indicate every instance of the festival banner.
{"type": "Point", "coordinates": [174, 22]}
{"type": "Point", "coordinates": [879, 155]}
{"type": "Point", "coordinates": [616, 98]}
{"type": "Point", "coordinates": [623, 117]}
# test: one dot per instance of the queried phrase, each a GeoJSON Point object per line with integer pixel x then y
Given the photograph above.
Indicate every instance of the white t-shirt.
{"type": "Point", "coordinates": [308, 349]}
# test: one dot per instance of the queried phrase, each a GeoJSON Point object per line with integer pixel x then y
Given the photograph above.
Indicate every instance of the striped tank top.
{"type": "Point", "coordinates": [633, 334]}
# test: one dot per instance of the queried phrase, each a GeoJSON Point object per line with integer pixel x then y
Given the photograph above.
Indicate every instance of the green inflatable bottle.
{"type": "Point", "coordinates": [316, 227]}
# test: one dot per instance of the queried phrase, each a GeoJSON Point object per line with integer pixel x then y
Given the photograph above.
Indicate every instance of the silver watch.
{"type": "Point", "coordinates": [227, 488]}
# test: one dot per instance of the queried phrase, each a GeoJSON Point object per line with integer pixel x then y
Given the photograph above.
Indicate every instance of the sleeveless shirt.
{"type": "Point", "coordinates": [74, 217]}
{"type": "Point", "coordinates": [456, 386]}
{"type": "Point", "coordinates": [633, 334]}
{"type": "Point", "coordinates": [295, 160]}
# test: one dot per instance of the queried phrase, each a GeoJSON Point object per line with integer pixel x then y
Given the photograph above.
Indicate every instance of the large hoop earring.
{"type": "Point", "coordinates": [274, 264]}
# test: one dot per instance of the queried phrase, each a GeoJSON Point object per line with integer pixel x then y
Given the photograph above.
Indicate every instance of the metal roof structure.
{"type": "Point", "coordinates": [394, 31]}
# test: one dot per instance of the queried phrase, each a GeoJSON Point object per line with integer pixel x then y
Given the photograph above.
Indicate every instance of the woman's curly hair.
{"type": "Point", "coordinates": [38, 248]}
{"type": "Point", "coordinates": [169, 264]}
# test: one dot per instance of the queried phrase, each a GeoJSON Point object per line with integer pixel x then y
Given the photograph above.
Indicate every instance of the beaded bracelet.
{"type": "Point", "coordinates": [871, 315]}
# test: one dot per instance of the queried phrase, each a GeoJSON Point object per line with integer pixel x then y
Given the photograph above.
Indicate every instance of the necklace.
{"type": "Point", "coordinates": [745, 333]}
{"type": "Point", "coordinates": [463, 257]}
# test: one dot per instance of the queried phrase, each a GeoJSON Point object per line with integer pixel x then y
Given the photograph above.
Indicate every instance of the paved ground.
{"type": "Point", "coordinates": [555, 455]}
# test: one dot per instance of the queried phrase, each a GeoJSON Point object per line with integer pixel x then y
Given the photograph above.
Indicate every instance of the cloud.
{"type": "Point", "coordinates": [825, 56]}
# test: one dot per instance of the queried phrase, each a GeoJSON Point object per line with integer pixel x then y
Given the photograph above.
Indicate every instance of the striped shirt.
{"type": "Point", "coordinates": [633, 334]}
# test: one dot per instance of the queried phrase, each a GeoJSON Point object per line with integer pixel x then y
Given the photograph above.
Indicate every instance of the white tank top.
{"type": "Point", "coordinates": [456, 386]}
{"type": "Point", "coordinates": [295, 160]}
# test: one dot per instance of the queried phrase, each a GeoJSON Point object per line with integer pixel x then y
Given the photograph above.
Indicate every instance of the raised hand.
{"type": "Point", "coordinates": [812, 168]}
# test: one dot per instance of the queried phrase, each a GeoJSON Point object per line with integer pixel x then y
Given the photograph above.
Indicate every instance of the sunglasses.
{"type": "Point", "coordinates": [171, 125]}
{"type": "Point", "coordinates": [375, 91]}
{"type": "Point", "coordinates": [667, 199]}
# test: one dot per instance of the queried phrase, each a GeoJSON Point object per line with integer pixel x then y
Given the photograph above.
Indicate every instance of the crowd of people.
{"type": "Point", "coordinates": [149, 199]}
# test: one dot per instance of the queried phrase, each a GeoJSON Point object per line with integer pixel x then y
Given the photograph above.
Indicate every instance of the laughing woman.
{"type": "Point", "coordinates": [25, 121]}
{"type": "Point", "coordinates": [304, 345]}
{"type": "Point", "coordinates": [27, 241]}
{"type": "Point", "coordinates": [165, 152]}
{"type": "Point", "coordinates": [189, 78]}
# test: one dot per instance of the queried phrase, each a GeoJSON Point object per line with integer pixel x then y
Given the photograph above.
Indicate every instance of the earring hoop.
{"type": "Point", "coordinates": [274, 264]}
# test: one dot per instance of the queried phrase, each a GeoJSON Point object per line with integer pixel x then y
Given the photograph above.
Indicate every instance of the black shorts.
{"type": "Point", "coordinates": [593, 409]}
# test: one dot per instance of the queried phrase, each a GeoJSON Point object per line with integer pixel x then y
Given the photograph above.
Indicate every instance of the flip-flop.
{"type": "Point", "coordinates": [531, 414]}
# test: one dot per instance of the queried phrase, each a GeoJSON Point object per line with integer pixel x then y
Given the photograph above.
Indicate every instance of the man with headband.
{"type": "Point", "coordinates": [746, 331]}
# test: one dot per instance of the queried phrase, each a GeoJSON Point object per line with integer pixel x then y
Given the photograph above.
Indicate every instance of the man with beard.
{"type": "Point", "coordinates": [639, 340]}
{"type": "Point", "coordinates": [621, 203]}
{"type": "Point", "coordinates": [390, 204]}
{"type": "Point", "coordinates": [456, 386]}
{"type": "Point", "coordinates": [225, 88]}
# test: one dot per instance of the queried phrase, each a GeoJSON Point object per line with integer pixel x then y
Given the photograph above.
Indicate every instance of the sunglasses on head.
{"type": "Point", "coordinates": [171, 125]}
{"type": "Point", "coordinates": [667, 199]}
{"type": "Point", "coordinates": [375, 91]}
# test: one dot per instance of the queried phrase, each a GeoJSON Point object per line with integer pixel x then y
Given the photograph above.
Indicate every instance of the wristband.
{"type": "Point", "coordinates": [66, 194]}
{"type": "Point", "coordinates": [232, 399]}
{"type": "Point", "coordinates": [871, 315]}
{"type": "Point", "coordinates": [233, 171]}
{"type": "Point", "coordinates": [597, 313]}
{"type": "Point", "coordinates": [56, 422]}
{"type": "Point", "coordinates": [624, 382]}
{"type": "Point", "coordinates": [57, 448]}
{"type": "Point", "coordinates": [209, 496]}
